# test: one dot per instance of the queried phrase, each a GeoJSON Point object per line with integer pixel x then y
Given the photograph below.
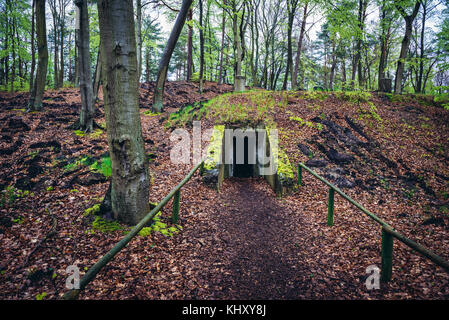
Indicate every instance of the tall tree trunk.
{"type": "Point", "coordinates": [77, 69]}
{"type": "Point", "coordinates": [61, 52]}
{"type": "Point", "coordinates": [343, 73]}
{"type": "Point", "coordinates": [166, 56]}
{"type": "Point", "coordinates": [190, 45]}
{"type": "Point", "coordinates": [98, 74]}
{"type": "Point", "coordinates": [70, 75]}
{"type": "Point", "coordinates": [223, 25]}
{"type": "Point", "coordinates": [419, 85]}
{"type": "Point", "coordinates": [299, 50]}
{"type": "Point", "coordinates": [384, 43]}
{"type": "Point", "coordinates": [33, 47]}
{"type": "Point", "coordinates": [129, 180]}
{"type": "Point", "coordinates": [238, 50]}
{"type": "Point", "coordinates": [35, 103]}
{"type": "Point", "coordinates": [82, 28]}
{"type": "Point", "coordinates": [201, 47]}
{"type": "Point", "coordinates": [139, 37]}
{"type": "Point", "coordinates": [56, 51]}
{"type": "Point", "coordinates": [13, 49]}
{"type": "Point", "coordinates": [333, 66]}
{"type": "Point", "coordinates": [291, 10]}
{"type": "Point", "coordinates": [405, 44]}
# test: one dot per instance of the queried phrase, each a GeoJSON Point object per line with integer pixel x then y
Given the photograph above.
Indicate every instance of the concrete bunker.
{"type": "Point", "coordinates": [247, 152]}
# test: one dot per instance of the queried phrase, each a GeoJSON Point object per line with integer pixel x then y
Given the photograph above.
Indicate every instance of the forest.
{"type": "Point", "coordinates": [224, 149]}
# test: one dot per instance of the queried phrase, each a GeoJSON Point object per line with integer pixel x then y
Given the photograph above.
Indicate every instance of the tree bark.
{"type": "Point", "coordinates": [98, 74]}
{"type": "Point", "coordinates": [129, 180]}
{"type": "Point", "coordinates": [82, 28]}
{"type": "Point", "coordinates": [405, 44]}
{"type": "Point", "coordinates": [384, 43]}
{"type": "Point", "coordinates": [291, 10]}
{"type": "Point", "coordinates": [166, 56]}
{"type": "Point", "coordinates": [298, 53]}
{"type": "Point", "coordinates": [201, 47]}
{"type": "Point", "coordinates": [139, 37]}
{"type": "Point", "coordinates": [35, 103]}
{"type": "Point", "coordinates": [190, 46]}
{"type": "Point", "coordinates": [223, 26]}
{"type": "Point", "coordinates": [33, 47]}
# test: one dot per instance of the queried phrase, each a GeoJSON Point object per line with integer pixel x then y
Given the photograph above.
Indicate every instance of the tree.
{"type": "Point", "coordinates": [201, 48]}
{"type": "Point", "coordinates": [291, 11]}
{"type": "Point", "coordinates": [82, 30]}
{"type": "Point", "coordinates": [300, 44]}
{"type": "Point", "coordinates": [408, 18]}
{"type": "Point", "coordinates": [190, 46]}
{"type": "Point", "coordinates": [129, 180]}
{"type": "Point", "coordinates": [158, 96]}
{"type": "Point", "coordinates": [35, 102]}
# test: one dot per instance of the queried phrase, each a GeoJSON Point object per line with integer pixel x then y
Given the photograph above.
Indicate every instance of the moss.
{"type": "Point", "coordinates": [79, 133]}
{"type": "Point", "coordinates": [151, 113]}
{"type": "Point", "coordinates": [284, 171]}
{"type": "Point", "coordinates": [92, 210]}
{"type": "Point", "coordinates": [214, 149]}
{"type": "Point", "coordinates": [357, 97]}
{"type": "Point", "coordinates": [50, 188]}
{"type": "Point", "coordinates": [103, 166]}
{"type": "Point", "coordinates": [96, 134]}
{"type": "Point", "coordinates": [106, 226]}
{"type": "Point", "coordinates": [284, 168]}
{"type": "Point", "coordinates": [159, 226]}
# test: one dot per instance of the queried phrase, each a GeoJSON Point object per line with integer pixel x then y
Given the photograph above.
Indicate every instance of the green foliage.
{"type": "Point", "coordinates": [103, 166]}
{"type": "Point", "coordinates": [92, 210]}
{"type": "Point", "coordinates": [41, 296]}
{"type": "Point", "coordinates": [151, 113]}
{"type": "Point", "coordinates": [159, 226]}
{"type": "Point", "coordinates": [106, 226]}
{"type": "Point", "coordinates": [314, 95]}
{"type": "Point", "coordinates": [11, 194]}
{"type": "Point", "coordinates": [186, 115]}
{"type": "Point", "coordinates": [356, 97]}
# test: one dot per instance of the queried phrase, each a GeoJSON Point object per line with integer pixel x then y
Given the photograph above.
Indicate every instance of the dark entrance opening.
{"type": "Point", "coordinates": [246, 169]}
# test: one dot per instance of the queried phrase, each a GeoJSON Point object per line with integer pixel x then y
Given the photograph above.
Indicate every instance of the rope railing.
{"type": "Point", "coordinates": [93, 271]}
{"type": "Point", "coordinates": [388, 232]}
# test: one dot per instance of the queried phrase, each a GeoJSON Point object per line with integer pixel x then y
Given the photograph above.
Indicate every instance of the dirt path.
{"type": "Point", "coordinates": [254, 254]}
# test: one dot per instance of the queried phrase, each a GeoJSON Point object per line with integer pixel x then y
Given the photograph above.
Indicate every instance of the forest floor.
{"type": "Point", "coordinates": [242, 242]}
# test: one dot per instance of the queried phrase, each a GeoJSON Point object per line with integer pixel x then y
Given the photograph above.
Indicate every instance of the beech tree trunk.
{"type": "Point", "coordinates": [129, 180]}
{"type": "Point", "coordinates": [158, 100]}
{"type": "Point", "coordinates": [82, 29]}
{"type": "Point", "coordinates": [33, 49]}
{"type": "Point", "coordinates": [35, 103]}
{"type": "Point", "coordinates": [405, 44]}
{"type": "Point", "coordinates": [384, 42]}
{"type": "Point", "coordinates": [201, 47]}
{"type": "Point", "coordinates": [223, 25]}
{"type": "Point", "coordinates": [298, 54]}
{"type": "Point", "coordinates": [190, 47]}
{"type": "Point", "coordinates": [98, 74]}
{"type": "Point", "coordinates": [291, 9]}
{"type": "Point", "coordinates": [139, 37]}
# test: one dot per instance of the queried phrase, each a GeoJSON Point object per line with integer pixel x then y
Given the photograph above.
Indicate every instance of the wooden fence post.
{"type": "Point", "coordinates": [330, 209]}
{"type": "Point", "coordinates": [175, 214]}
{"type": "Point", "coordinates": [387, 256]}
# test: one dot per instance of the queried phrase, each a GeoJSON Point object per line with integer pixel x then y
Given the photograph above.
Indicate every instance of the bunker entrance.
{"type": "Point", "coordinates": [244, 153]}
{"type": "Point", "coordinates": [243, 150]}
{"type": "Point", "coordinates": [245, 169]}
